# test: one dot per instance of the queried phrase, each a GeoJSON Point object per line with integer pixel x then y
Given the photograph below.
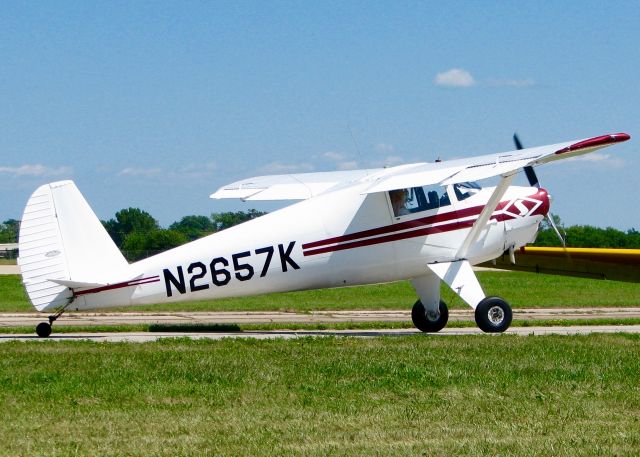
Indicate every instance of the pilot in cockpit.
{"type": "Point", "coordinates": [398, 202]}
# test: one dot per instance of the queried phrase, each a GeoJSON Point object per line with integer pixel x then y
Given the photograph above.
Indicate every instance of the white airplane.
{"type": "Point", "coordinates": [426, 222]}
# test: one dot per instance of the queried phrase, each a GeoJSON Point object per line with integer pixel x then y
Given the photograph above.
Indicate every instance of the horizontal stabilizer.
{"type": "Point", "coordinates": [76, 284]}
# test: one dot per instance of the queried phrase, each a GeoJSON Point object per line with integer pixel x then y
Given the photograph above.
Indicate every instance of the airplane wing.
{"type": "Point", "coordinates": [486, 166]}
{"type": "Point", "coordinates": [298, 186]}
{"type": "Point", "coordinates": [612, 264]}
{"type": "Point", "coordinates": [306, 185]}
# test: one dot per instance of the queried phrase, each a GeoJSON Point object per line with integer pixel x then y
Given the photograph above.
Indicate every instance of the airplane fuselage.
{"type": "Point", "coordinates": [340, 238]}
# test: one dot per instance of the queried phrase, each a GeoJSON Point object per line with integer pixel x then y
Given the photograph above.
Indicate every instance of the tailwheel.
{"type": "Point", "coordinates": [429, 321]}
{"type": "Point", "coordinates": [493, 315]}
{"type": "Point", "coordinates": [43, 329]}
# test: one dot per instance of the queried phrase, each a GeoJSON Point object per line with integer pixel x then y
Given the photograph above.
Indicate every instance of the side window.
{"type": "Point", "coordinates": [401, 201]}
{"type": "Point", "coordinates": [414, 199]}
{"type": "Point", "coordinates": [435, 197]}
{"type": "Point", "coordinates": [417, 199]}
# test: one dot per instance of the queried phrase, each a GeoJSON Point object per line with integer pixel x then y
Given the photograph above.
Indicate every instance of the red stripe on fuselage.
{"type": "Point", "coordinates": [120, 285]}
{"type": "Point", "coordinates": [457, 225]}
{"type": "Point", "coordinates": [415, 223]}
{"type": "Point", "coordinates": [391, 232]}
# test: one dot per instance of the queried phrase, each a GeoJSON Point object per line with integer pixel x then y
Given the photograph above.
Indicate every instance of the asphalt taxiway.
{"type": "Point", "coordinates": [316, 317]}
{"type": "Point", "coordinates": [281, 317]}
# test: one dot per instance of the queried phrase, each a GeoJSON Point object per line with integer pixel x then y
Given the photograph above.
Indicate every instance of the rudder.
{"type": "Point", "coordinates": [61, 239]}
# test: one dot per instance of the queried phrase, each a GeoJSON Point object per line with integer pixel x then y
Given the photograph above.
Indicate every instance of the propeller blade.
{"type": "Point", "coordinates": [531, 175]}
{"type": "Point", "coordinates": [516, 140]}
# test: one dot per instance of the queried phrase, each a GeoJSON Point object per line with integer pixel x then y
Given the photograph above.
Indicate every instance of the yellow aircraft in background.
{"type": "Point", "coordinates": [612, 264]}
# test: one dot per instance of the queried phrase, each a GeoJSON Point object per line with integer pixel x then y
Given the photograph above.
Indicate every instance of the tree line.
{"type": "Point", "coordinates": [138, 234]}
{"type": "Point", "coordinates": [587, 236]}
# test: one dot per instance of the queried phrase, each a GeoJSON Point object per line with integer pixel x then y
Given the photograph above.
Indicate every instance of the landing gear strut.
{"type": "Point", "coordinates": [429, 321]}
{"type": "Point", "coordinates": [493, 315]}
{"type": "Point", "coordinates": [43, 329]}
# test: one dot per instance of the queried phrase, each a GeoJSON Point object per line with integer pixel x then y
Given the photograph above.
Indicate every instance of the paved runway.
{"type": "Point", "coordinates": [90, 319]}
{"type": "Point", "coordinates": [314, 317]}
{"type": "Point", "coordinates": [142, 337]}
{"type": "Point", "coordinates": [9, 270]}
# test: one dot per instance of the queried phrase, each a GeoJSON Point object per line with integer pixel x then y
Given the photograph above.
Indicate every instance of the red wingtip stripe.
{"type": "Point", "coordinates": [596, 141]}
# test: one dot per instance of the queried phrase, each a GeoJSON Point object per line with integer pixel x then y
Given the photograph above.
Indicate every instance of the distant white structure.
{"type": "Point", "coordinates": [9, 250]}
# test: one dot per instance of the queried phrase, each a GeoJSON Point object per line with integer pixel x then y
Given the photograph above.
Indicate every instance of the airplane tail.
{"type": "Point", "coordinates": [63, 245]}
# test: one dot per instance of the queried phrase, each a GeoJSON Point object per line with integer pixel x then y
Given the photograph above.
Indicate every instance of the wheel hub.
{"type": "Point", "coordinates": [433, 315]}
{"type": "Point", "coordinates": [496, 315]}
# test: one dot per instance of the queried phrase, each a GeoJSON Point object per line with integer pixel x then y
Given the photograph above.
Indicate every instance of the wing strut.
{"type": "Point", "coordinates": [485, 215]}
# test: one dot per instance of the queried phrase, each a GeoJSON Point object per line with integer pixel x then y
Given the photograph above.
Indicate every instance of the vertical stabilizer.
{"type": "Point", "coordinates": [62, 239]}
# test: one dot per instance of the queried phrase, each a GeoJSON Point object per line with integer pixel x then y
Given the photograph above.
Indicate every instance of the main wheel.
{"type": "Point", "coordinates": [425, 321]}
{"type": "Point", "coordinates": [43, 329]}
{"type": "Point", "coordinates": [493, 315]}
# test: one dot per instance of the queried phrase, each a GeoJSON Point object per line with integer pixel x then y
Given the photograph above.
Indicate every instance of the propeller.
{"type": "Point", "coordinates": [534, 182]}
{"type": "Point", "coordinates": [531, 174]}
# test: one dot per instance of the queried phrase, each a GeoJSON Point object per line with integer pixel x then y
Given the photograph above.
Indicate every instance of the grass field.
{"type": "Point", "coordinates": [522, 290]}
{"type": "Point", "coordinates": [478, 395]}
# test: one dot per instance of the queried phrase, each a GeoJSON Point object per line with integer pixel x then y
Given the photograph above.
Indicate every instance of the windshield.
{"type": "Point", "coordinates": [465, 190]}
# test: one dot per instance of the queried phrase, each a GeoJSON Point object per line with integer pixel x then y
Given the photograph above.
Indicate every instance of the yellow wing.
{"type": "Point", "coordinates": [612, 264]}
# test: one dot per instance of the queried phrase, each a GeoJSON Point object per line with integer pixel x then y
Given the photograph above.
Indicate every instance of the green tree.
{"type": "Point", "coordinates": [587, 236]}
{"type": "Point", "coordinates": [633, 239]}
{"type": "Point", "coordinates": [9, 230]}
{"type": "Point", "coordinates": [194, 227]}
{"type": "Point", "coordinates": [128, 221]}
{"type": "Point", "coordinates": [229, 219]}
{"type": "Point", "coordinates": [138, 245]}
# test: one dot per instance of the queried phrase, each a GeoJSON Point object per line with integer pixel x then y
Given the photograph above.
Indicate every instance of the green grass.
{"type": "Point", "coordinates": [477, 395]}
{"type": "Point", "coordinates": [522, 290]}
{"type": "Point", "coordinates": [12, 295]}
{"type": "Point", "coordinates": [8, 262]}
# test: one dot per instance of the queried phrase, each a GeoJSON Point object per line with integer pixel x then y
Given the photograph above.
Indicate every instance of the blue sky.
{"type": "Point", "coordinates": [157, 104]}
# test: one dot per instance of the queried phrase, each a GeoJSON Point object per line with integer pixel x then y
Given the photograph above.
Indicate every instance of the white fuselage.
{"type": "Point", "coordinates": [340, 238]}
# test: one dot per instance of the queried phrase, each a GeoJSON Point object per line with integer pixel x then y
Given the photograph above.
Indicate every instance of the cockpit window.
{"type": "Point", "coordinates": [416, 199]}
{"type": "Point", "coordinates": [401, 201]}
{"type": "Point", "coordinates": [465, 190]}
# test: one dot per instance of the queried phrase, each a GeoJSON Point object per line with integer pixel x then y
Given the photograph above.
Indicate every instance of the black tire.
{"type": "Point", "coordinates": [493, 315]}
{"type": "Point", "coordinates": [423, 323]}
{"type": "Point", "coordinates": [43, 329]}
